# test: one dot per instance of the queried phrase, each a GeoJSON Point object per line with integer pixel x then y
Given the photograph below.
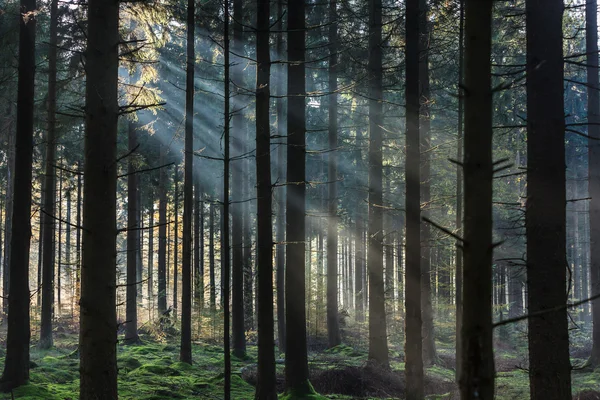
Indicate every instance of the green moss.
{"type": "Point", "coordinates": [181, 366]}
{"type": "Point", "coordinates": [153, 369]}
{"type": "Point", "coordinates": [128, 363]}
{"type": "Point", "coordinates": [306, 392]}
{"type": "Point", "coordinates": [33, 392]}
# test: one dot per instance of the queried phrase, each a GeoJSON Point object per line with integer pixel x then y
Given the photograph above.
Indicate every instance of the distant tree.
{"type": "Point", "coordinates": [98, 333]}
{"type": "Point", "coordinates": [477, 358]}
{"type": "Point", "coordinates": [162, 233]}
{"type": "Point", "coordinates": [545, 219]}
{"type": "Point", "coordinates": [16, 363]}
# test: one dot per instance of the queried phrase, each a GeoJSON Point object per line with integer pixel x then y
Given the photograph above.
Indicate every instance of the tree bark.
{"type": "Point", "coordinates": [265, 388]}
{"type": "Point", "coordinates": [16, 363]}
{"type": "Point", "coordinates": [333, 328]}
{"type": "Point", "coordinates": [593, 104]}
{"type": "Point", "coordinates": [237, 245]}
{"type": "Point", "coordinates": [545, 220]}
{"type": "Point", "coordinates": [477, 359]}
{"type": "Point", "coordinates": [98, 333]}
{"type": "Point", "coordinates": [50, 191]}
{"type": "Point", "coordinates": [162, 234]}
{"type": "Point", "coordinates": [131, 334]}
{"type": "Point", "coordinates": [413, 343]}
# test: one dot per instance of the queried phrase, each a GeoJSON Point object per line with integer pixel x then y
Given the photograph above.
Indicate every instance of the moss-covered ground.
{"type": "Point", "coordinates": [151, 371]}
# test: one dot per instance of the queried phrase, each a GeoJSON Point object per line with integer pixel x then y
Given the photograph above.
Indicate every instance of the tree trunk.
{"type": "Point", "coordinates": [199, 248]}
{"type": "Point", "coordinates": [176, 243]}
{"type": "Point", "coordinates": [162, 234]}
{"type": "Point", "coordinates": [131, 334]}
{"type": "Point", "coordinates": [429, 351]}
{"type": "Point", "coordinates": [593, 104]}
{"type": "Point", "coordinates": [296, 360]}
{"type": "Point", "coordinates": [265, 387]}
{"type": "Point", "coordinates": [358, 279]}
{"type": "Point", "coordinates": [378, 349]}
{"type": "Point", "coordinates": [333, 328]}
{"type": "Point", "coordinates": [211, 257]}
{"type": "Point", "coordinates": [549, 371]}
{"type": "Point", "coordinates": [151, 259]}
{"type": "Point", "coordinates": [237, 245]}
{"type": "Point", "coordinates": [477, 359]}
{"type": "Point", "coordinates": [98, 335]}
{"type": "Point", "coordinates": [413, 343]}
{"type": "Point", "coordinates": [50, 191]}
{"type": "Point", "coordinates": [10, 188]}
{"type": "Point", "coordinates": [16, 363]}
{"type": "Point", "coordinates": [280, 227]}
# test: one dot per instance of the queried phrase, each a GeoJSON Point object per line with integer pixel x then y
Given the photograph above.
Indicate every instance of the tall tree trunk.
{"type": "Point", "coordinates": [16, 363]}
{"type": "Point", "coordinates": [237, 245]}
{"type": "Point", "coordinates": [176, 243]}
{"type": "Point", "coordinates": [226, 249]}
{"type": "Point", "coordinates": [549, 371]}
{"type": "Point", "coordinates": [360, 259]}
{"type": "Point", "coordinates": [413, 343]}
{"type": "Point", "coordinates": [151, 259]}
{"type": "Point", "coordinates": [333, 328]}
{"type": "Point", "coordinates": [78, 235]}
{"type": "Point", "coordinates": [265, 388]}
{"type": "Point", "coordinates": [296, 360]}
{"type": "Point", "coordinates": [131, 334]}
{"type": "Point", "coordinates": [162, 234]}
{"type": "Point", "coordinates": [199, 248]}
{"type": "Point", "coordinates": [211, 257]}
{"type": "Point", "coordinates": [477, 359]}
{"type": "Point", "coordinates": [593, 104]}
{"type": "Point", "coordinates": [280, 227]}
{"type": "Point", "coordinates": [378, 348]}
{"type": "Point", "coordinates": [8, 232]}
{"type": "Point", "coordinates": [185, 354]}
{"type": "Point", "coordinates": [429, 351]}
{"type": "Point", "coordinates": [247, 241]}
{"type": "Point", "coordinates": [98, 336]}
{"type": "Point", "coordinates": [50, 194]}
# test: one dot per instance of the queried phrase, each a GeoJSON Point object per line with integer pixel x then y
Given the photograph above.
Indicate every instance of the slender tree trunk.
{"type": "Point", "coordinates": [8, 232]}
{"type": "Point", "coordinates": [176, 243]}
{"type": "Point", "coordinates": [296, 360]}
{"type": "Point", "coordinates": [378, 348]}
{"type": "Point", "coordinates": [593, 104]}
{"type": "Point", "coordinates": [413, 343]}
{"type": "Point", "coordinates": [47, 216]}
{"type": "Point", "coordinates": [185, 354]}
{"type": "Point", "coordinates": [237, 244]}
{"type": "Point", "coordinates": [131, 334]}
{"type": "Point", "coordinates": [265, 388]}
{"type": "Point", "coordinates": [16, 363]}
{"type": "Point", "coordinates": [151, 259]}
{"type": "Point", "coordinates": [549, 371]}
{"type": "Point", "coordinates": [247, 241]}
{"type": "Point", "coordinates": [211, 257]}
{"type": "Point", "coordinates": [78, 236]}
{"type": "Point", "coordinates": [98, 336]}
{"type": "Point", "coordinates": [333, 328]}
{"type": "Point", "coordinates": [429, 351]}
{"type": "Point", "coordinates": [280, 227]}
{"type": "Point", "coordinates": [198, 248]}
{"type": "Point", "coordinates": [477, 359]}
{"type": "Point", "coordinates": [162, 234]}
{"type": "Point", "coordinates": [226, 249]}
{"type": "Point", "coordinates": [358, 280]}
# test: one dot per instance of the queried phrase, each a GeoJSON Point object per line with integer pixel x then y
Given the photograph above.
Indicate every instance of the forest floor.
{"type": "Point", "coordinates": [151, 371]}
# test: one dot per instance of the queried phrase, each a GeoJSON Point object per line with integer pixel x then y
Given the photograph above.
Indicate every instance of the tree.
{"type": "Point", "coordinates": [185, 354]}
{"type": "Point", "coordinates": [477, 359]}
{"type": "Point", "coordinates": [265, 388]}
{"type": "Point", "coordinates": [49, 191]}
{"type": "Point", "coordinates": [333, 328]}
{"type": "Point", "coordinates": [413, 344]}
{"type": "Point", "coordinates": [378, 349]}
{"type": "Point", "coordinates": [16, 363]}
{"type": "Point", "coordinates": [296, 361]}
{"type": "Point", "coordinates": [593, 104]}
{"type": "Point", "coordinates": [98, 334]}
{"type": "Point", "coordinates": [545, 219]}
{"type": "Point", "coordinates": [162, 234]}
{"type": "Point", "coordinates": [131, 333]}
{"type": "Point", "coordinates": [429, 351]}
